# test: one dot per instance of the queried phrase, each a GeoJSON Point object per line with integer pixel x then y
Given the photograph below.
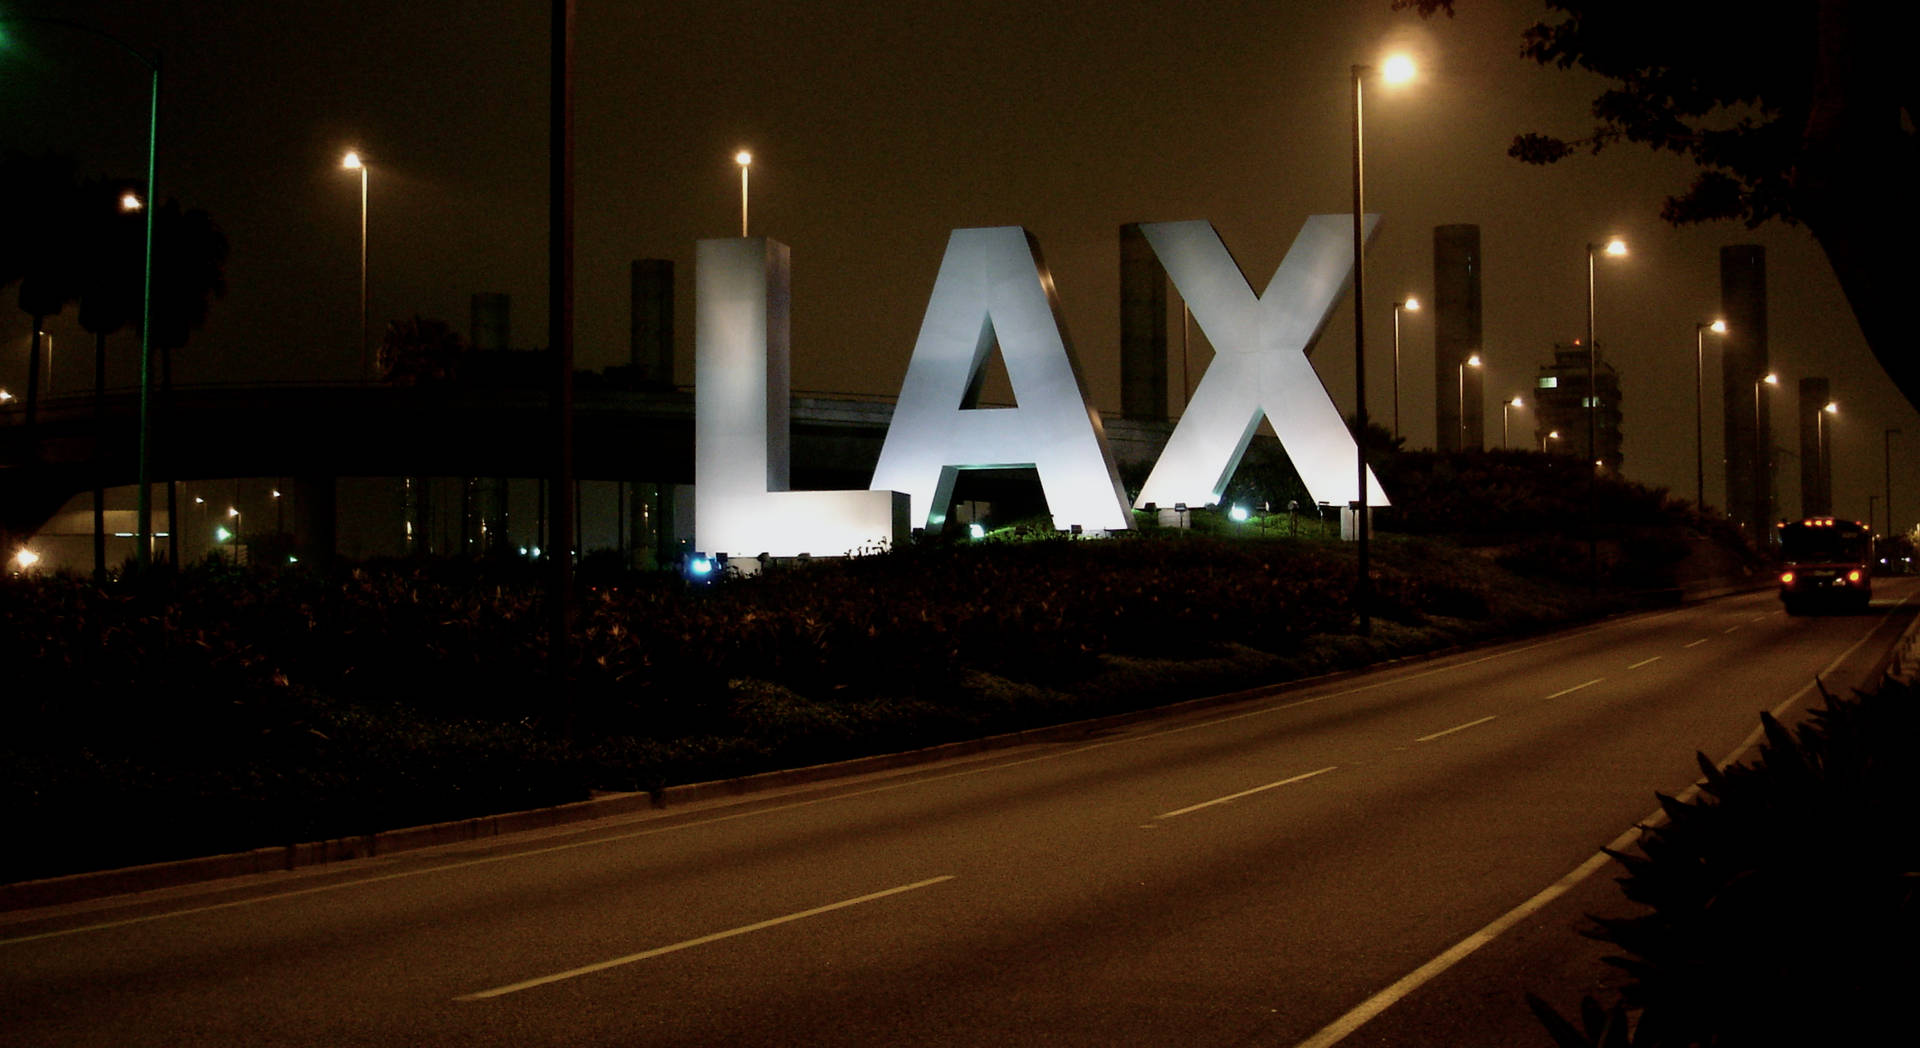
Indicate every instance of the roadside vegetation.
{"type": "Point", "coordinates": [1779, 906]}
{"type": "Point", "coordinates": [214, 709]}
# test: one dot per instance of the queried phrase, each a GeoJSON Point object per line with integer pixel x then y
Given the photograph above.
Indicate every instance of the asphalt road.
{"type": "Point", "coordinates": [1246, 875]}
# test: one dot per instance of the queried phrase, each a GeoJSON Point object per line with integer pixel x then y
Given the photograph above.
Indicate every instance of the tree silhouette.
{"type": "Point", "coordinates": [420, 350]}
{"type": "Point", "coordinates": [110, 286]}
{"type": "Point", "coordinates": [189, 273]}
{"type": "Point", "coordinates": [40, 251]}
{"type": "Point", "coordinates": [1802, 111]}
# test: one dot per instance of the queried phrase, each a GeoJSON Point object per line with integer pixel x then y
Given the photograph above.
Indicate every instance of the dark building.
{"type": "Point", "coordinates": [1816, 449]}
{"type": "Point", "coordinates": [1562, 404]}
{"type": "Point", "coordinates": [1143, 328]}
{"type": "Point", "coordinates": [1458, 417]}
{"type": "Point", "coordinates": [1743, 370]}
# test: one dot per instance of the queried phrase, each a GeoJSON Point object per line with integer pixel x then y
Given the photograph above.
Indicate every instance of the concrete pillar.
{"type": "Point", "coordinates": [1816, 449]}
{"type": "Point", "coordinates": [315, 516]}
{"type": "Point", "coordinates": [1456, 336]}
{"type": "Point", "coordinates": [652, 342]}
{"type": "Point", "coordinates": [490, 322]}
{"type": "Point", "coordinates": [1143, 328]}
{"type": "Point", "coordinates": [1745, 400]}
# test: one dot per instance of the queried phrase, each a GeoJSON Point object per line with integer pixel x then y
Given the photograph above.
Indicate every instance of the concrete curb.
{"type": "Point", "coordinates": [79, 887]}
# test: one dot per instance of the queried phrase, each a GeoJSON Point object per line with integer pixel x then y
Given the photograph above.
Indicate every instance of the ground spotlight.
{"type": "Point", "coordinates": [1238, 514]}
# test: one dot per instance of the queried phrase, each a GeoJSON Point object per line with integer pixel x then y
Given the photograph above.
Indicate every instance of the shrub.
{"type": "Point", "coordinates": [1781, 904]}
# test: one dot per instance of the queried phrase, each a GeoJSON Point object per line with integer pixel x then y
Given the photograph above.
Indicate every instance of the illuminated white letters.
{"type": "Point", "coordinates": [993, 287]}
{"type": "Point", "coordinates": [1260, 364]}
{"type": "Point", "coordinates": [741, 403]}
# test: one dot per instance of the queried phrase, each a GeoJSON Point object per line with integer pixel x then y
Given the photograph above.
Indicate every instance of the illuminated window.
{"type": "Point", "coordinates": [1550, 382]}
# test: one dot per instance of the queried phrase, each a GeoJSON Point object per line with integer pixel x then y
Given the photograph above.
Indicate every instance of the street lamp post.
{"type": "Point", "coordinates": [1397, 69]}
{"type": "Point", "coordinates": [1546, 441]}
{"type": "Point", "coordinates": [1886, 438]}
{"type": "Point", "coordinates": [1718, 327]}
{"type": "Point", "coordinates": [1820, 466]}
{"type": "Point", "coordinates": [1472, 361]}
{"type": "Point", "coordinates": [1614, 247]}
{"type": "Point", "coordinates": [1505, 405]}
{"type": "Point", "coordinates": [353, 161]}
{"type": "Point", "coordinates": [1410, 305]}
{"type": "Point", "coordinates": [745, 160]}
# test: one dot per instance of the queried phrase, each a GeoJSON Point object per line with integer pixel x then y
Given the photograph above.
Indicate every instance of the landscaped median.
{"type": "Point", "coordinates": [218, 711]}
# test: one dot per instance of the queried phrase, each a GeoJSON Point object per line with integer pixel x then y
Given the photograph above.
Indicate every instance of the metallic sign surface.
{"type": "Point", "coordinates": [1260, 364]}
{"type": "Point", "coordinates": [993, 288]}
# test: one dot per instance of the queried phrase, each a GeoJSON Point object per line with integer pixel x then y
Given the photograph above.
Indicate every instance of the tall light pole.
{"type": "Point", "coordinates": [1886, 438]}
{"type": "Point", "coordinates": [1395, 70]}
{"type": "Point", "coordinates": [353, 161]}
{"type": "Point", "coordinates": [1718, 327]}
{"type": "Point", "coordinates": [1820, 450]}
{"type": "Point", "coordinates": [1614, 248]}
{"type": "Point", "coordinates": [745, 160]}
{"type": "Point", "coordinates": [1768, 379]}
{"type": "Point", "coordinates": [1472, 361]}
{"type": "Point", "coordinates": [1510, 402]}
{"type": "Point", "coordinates": [1410, 305]}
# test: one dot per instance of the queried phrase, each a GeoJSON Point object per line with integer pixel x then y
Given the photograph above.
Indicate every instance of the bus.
{"type": "Point", "coordinates": [1825, 562]}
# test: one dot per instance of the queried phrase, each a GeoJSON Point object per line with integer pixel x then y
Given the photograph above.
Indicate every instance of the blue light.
{"type": "Point", "coordinates": [699, 566]}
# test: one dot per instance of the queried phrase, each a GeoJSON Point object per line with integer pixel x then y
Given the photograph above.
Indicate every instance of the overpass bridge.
{"type": "Point", "coordinates": [316, 434]}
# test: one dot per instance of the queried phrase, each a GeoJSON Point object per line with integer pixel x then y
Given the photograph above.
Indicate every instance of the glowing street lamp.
{"type": "Point", "coordinates": [354, 162]}
{"type": "Point", "coordinates": [1718, 327]}
{"type": "Point", "coordinates": [1472, 361]}
{"type": "Point", "coordinates": [745, 160]}
{"type": "Point", "coordinates": [1510, 402]}
{"type": "Point", "coordinates": [1613, 248]}
{"type": "Point", "coordinates": [1397, 69]}
{"type": "Point", "coordinates": [1410, 305]}
{"type": "Point", "coordinates": [131, 202]}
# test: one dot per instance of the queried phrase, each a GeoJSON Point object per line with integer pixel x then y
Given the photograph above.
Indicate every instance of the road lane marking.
{"type": "Point", "coordinates": [1457, 727]}
{"type": "Point", "coordinates": [1364, 1012]}
{"type": "Point", "coordinates": [1731, 628]}
{"type": "Point", "coordinates": [1576, 687]}
{"type": "Point", "coordinates": [589, 969]}
{"type": "Point", "coordinates": [1244, 793]}
{"type": "Point", "coordinates": [1696, 643]}
{"type": "Point", "coordinates": [1644, 662]}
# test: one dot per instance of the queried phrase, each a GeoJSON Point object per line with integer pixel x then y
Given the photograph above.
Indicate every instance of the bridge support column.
{"type": "Point", "coordinates": [315, 506]}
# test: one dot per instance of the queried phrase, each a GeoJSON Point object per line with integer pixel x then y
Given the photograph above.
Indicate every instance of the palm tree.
{"type": "Point", "coordinates": [110, 295]}
{"type": "Point", "coordinates": [189, 272]}
{"type": "Point", "coordinates": [40, 253]}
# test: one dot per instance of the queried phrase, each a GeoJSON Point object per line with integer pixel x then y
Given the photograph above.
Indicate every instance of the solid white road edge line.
{"type": "Point", "coordinates": [1364, 1012]}
{"type": "Point", "coordinates": [1244, 793]}
{"type": "Point", "coordinates": [1457, 727]}
{"type": "Point", "coordinates": [588, 969]}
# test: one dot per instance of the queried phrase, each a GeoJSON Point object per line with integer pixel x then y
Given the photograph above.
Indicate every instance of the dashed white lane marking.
{"type": "Point", "coordinates": [1696, 643]}
{"type": "Point", "coordinates": [1243, 793]}
{"type": "Point", "coordinates": [1457, 727]}
{"type": "Point", "coordinates": [1644, 662]}
{"type": "Point", "coordinates": [1731, 628]}
{"type": "Point", "coordinates": [589, 969]}
{"type": "Point", "coordinates": [1576, 687]}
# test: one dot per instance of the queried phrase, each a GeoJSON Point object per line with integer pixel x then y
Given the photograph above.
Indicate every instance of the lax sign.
{"type": "Point", "coordinates": [993, 288]}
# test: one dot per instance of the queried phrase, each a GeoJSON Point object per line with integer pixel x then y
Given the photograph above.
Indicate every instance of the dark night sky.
{"type": "Point", "coordinates": [879, 127]}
